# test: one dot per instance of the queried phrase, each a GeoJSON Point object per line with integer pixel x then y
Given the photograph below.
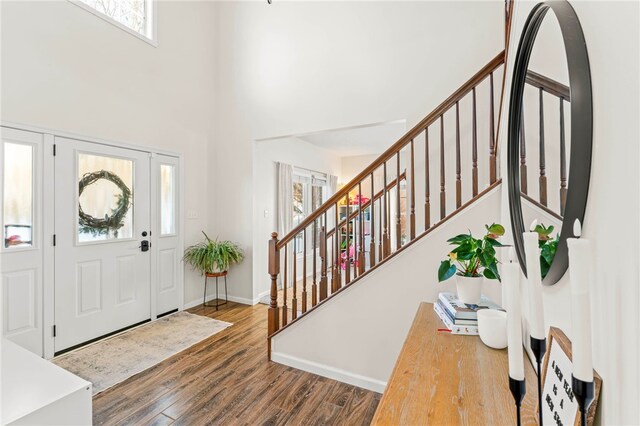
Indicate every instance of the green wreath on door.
{"type": "Point", "coordinates": [110, 222]}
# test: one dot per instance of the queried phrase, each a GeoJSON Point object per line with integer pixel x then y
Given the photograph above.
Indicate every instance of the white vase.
{"type": "Point", "coordinates": [469, 289]}
{"type": "Point", "coordinates": [492, 328]}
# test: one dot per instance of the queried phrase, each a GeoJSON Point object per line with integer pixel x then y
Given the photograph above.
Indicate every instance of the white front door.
{"type": "Point", "coordinates": [22, 237]}
{"type": "Point", "coordinates": [102, 224]}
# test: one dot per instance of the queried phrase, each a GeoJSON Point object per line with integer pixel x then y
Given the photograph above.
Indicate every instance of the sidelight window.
{"type": "Point", "coordinates": [18, 195]}
{"type": "Point", "coordinates": [167, 200]}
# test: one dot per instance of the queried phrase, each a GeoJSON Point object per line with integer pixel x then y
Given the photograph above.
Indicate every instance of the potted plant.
{"type": "Point", "coordinates": [212, 256]}
{"type": "Point", "coordinates": [470, 261]}
{"type": "Point", "coordinates": [548, 246]}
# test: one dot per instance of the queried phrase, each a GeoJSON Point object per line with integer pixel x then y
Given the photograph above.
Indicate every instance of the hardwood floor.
{"type": "Point", "coordinates": [227, 379]}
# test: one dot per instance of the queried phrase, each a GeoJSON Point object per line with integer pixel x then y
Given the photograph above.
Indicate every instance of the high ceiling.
{"type": "Point", "coordinates": [360, 140]}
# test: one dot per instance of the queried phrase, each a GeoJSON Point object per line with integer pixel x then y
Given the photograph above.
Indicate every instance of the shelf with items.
{"type": "Point", "coordinates": [350, 231]}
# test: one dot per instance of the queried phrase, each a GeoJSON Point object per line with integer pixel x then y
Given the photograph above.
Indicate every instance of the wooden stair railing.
{"type": "Point", "coordinates": [373, 217]}
{"type": "Point", "coordinates": [558, 90]}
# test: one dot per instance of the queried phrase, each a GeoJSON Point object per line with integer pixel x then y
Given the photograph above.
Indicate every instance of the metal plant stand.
{"type": "Point", "coordinates": [215, 275]}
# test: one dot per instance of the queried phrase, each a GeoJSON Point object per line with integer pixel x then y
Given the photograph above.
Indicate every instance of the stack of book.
{"type": "Point", "coordinates": [459, 317]}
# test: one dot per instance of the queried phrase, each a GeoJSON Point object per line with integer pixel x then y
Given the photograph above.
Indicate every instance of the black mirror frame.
{"type": "Point", "coordinates": [581, 129]}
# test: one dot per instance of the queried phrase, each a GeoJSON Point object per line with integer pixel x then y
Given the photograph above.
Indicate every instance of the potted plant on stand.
{"type": "Point", "coordinates": [213, 256]}
{"type": "Point", "coordinates": [213, 259]}
{"type": "Point", "coordinates": [471, 261]}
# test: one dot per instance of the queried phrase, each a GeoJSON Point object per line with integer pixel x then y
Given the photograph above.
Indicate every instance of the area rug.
{"type": "Point", "coordinates": [115, 359]}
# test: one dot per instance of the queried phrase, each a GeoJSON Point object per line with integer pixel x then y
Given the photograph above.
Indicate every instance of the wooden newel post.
{"type": "Point", "coordinates": [274, 270]}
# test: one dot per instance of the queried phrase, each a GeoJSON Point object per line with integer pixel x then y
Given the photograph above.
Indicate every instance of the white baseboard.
{"type": "Point", "coordinates": [329, 372]}
{"type": "Point", "coordinates": [263, 294]}
{"type": "Point", "coordinates": [241, 300]}
{"type": "Point", "coordinates": [192, 304]}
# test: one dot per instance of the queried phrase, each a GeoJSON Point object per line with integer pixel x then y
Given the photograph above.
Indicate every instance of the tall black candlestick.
{"type": "Point", "coordinates": [584, 392]}
{"type": "Point", "coordinates": [518, 389]}
{"type": "Point", "coordinates": [539, 348]}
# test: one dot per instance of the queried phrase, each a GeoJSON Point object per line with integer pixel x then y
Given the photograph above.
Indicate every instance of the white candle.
{"type": "Point", "coordinates": [511, 280]}
{"type": "Point", "coordinates": [580, 273]}
{"type": "Point", "coordinates": [534, 278]}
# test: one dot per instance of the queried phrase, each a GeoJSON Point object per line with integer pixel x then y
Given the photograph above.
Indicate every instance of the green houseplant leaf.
{"type": "Point", "coordinates": [446, 270]}
{"type": "Point", "coordinates": [212, 256]}
{"type": "Point", "coordinates": [547, 245]}
{"type": "Point", "coordinates": [495, 229]}
{"type": "Point", "coordinates": [473, 257]}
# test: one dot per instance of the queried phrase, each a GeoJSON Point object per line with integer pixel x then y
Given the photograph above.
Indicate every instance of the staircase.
{"type": "Point", "coordinates": [375, 216]}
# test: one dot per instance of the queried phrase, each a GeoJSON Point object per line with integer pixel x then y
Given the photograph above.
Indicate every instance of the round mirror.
{"type": "Point", "coordinates": [549, 134]}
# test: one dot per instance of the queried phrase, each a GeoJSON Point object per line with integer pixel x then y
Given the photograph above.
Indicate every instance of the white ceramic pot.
{"type": "Point", "coordinates": [469, 289]}
{"type": "Point", "coordinates": [492, 328]}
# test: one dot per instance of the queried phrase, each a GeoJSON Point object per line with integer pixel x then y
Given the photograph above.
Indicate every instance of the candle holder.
{"type": "Point", "coordinates": [584, 392]}
{"type": "Point", "coordinates": [539, 348]}
{"type": "Point", "coordinates": [518, 389]}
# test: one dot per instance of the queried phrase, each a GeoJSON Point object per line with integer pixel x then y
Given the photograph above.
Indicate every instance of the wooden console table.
{"type": "Point", "coordinates": [445, 379]}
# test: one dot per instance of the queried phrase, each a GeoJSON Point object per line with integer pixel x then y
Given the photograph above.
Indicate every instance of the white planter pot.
{"type": "Point", "coordinates": [469, 289]}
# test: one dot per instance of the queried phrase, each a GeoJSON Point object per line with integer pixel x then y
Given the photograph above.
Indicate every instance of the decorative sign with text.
{"type": "Point", "coordinates": [559, 406]}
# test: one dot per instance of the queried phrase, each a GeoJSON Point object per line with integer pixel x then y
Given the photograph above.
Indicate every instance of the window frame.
{"type": "Point", "coordinates": [151, 19]}
{"type": "Point", "coordinates": [35, 194]}
{"type": "Point", "coordinates": [77, 242]}
{"type": "Point", "coordinates": [173, 201]}
{"type": "Point", "coordinates": [308, 179]}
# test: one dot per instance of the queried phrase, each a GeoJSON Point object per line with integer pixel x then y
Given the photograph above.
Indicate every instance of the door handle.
{"type": "Point", "coordinates": [144, 245]}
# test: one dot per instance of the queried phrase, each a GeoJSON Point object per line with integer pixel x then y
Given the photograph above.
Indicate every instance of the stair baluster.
{"type": "Point", "coordinates": [323, 261]}
{"type": "Point", "coordinates": [427, 200]}
{"type": "Point", "coordinates": [474, 148]}
{"type": "Point", "coordinates": [314, 286]}
{"type": "Point", "coordinates": [443, 196]}
{"type": "Point", "coordinates": [361, 265]}
{"type": "Point", "coordinates": [543, 176]}
{"type": "Point", "coordinates": [284, 288]}
{"type": "Point", "coordinates": [372, 225]}
{"type": "Point", "coordinates": [412, 217]}
{"type": "Point", "coordinates": [458, 165]}
{"type": "Point", "coordinates": [563, 161]}
{"type": "Point", "coordinates": [304, 270]}
{"type": "Point", "coordinates": [492, 135]}
{"type": "Point", "coordinates": [523, 156]}
{"type": "Point", "coordinates": [398, 222]}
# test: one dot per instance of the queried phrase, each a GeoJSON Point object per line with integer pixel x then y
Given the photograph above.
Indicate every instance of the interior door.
{"type": "Point", "coordinates": [102, 228]}
{"type": "Point", "coordinates": [22, 243]}
{"type": "Point", "coordinates": [166, 233]}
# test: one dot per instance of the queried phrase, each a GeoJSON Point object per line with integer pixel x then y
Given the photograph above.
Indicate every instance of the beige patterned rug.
{"type": "Point", "coordinates": [115, 359]}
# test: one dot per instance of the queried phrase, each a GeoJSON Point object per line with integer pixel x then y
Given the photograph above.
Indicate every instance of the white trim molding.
{"type": "Point", "coordinates": [81, 137]}
{"type": "Point", "coordinates": [329, 372]}
{"type": "Point", "coordinates": [241, 300]}
{"type": "Point", "coordinates": [151, 36]}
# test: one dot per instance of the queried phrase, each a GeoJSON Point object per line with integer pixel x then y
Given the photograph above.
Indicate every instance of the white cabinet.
{"type": "Point", "coordinates": [37, 392]}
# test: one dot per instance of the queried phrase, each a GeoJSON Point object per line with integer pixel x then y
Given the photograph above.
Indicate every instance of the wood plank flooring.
{"type": "Point", "coordinates": [227, 380]}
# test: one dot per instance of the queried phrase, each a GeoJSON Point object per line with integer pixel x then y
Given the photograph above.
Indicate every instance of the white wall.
{"type": "Point", "coordinates": [354, 164]}
{"type": "Point", "coordinates": [357, 336]}
{"type": "Point", "coordinates": [228, 73]}
{"type": "Point", "coordinates": [65, 69]}
{"type": "Point", "coordinates": [611, 31]}
{"type": "Point", "coordinates": [298, 67]}
{"type": "Point", "coordinates": [266, 154]}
